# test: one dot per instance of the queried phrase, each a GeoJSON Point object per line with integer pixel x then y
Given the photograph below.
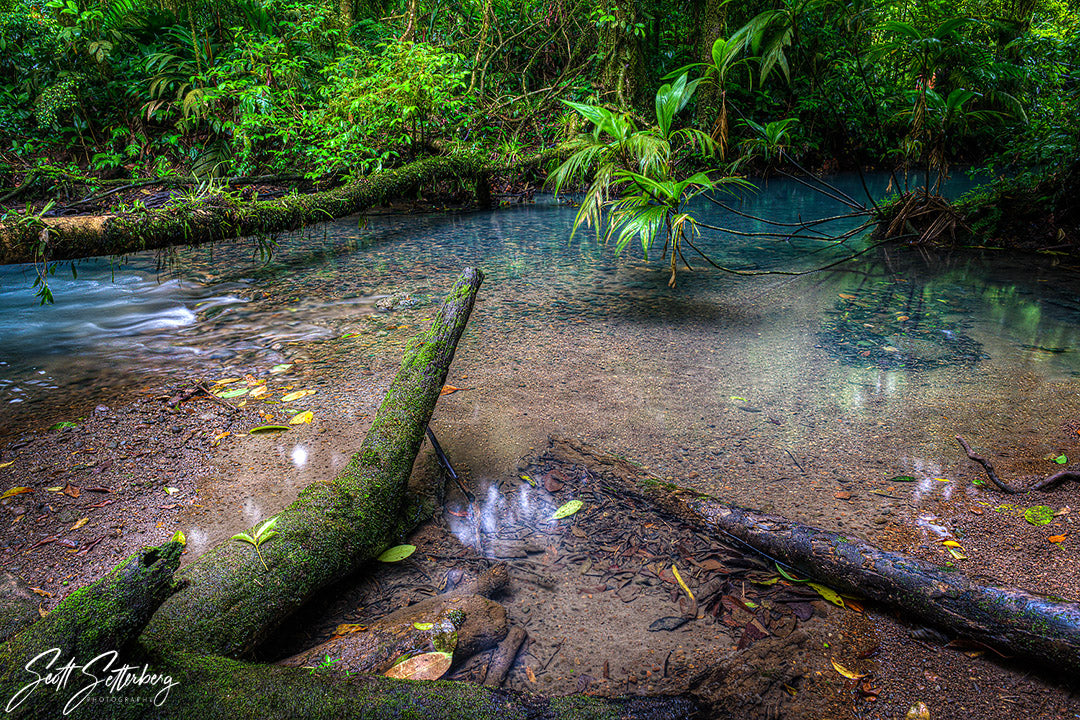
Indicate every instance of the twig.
{"type": "Point", "coordinates": [794, 461]}
{"type": "Point", "coordinates": [202, 386]}
{"type": "Point", "coordinates": [1003, 486]}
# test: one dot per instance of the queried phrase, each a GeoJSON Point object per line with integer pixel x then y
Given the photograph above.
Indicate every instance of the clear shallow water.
{"type": "Point", "coordinates": [865, 371]}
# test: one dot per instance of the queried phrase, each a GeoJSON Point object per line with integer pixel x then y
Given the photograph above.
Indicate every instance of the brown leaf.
{"type": "Point", "coordinates": [1056, 538]}
{"type": "Point", "coordinates": [552, 484]}
{"type": "Point", "coordinates": [530, 674]}
{"type": "Point", "coordinates": [448, 389]}
{"type": "Point", "coordinates": [79, 523]}
{"type": "Point", "coordinates": [71, 490]}
{"type": "Point", "coordinates": [42, 593]}
{"type": "Point", "coordinates": [843, 495]}
{"type": "Point", "coordinates": [428, 666]}
{"type": "Point", "coordinates": [349, 628]}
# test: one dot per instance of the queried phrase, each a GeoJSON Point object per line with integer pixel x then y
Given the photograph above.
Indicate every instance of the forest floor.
{"type": "Point", "coordinates": [595, 592]}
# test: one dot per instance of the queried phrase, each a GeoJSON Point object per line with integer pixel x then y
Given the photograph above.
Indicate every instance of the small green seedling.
{"type": "Point", "coordinates": [262, 533]}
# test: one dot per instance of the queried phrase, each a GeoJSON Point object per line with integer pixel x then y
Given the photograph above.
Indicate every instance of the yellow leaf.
{"type": "Point", "coordinates": [349, 628]}
{"type": "Point", "coordinates": [58, 488]}
{"type": "Point", "coordinates": [226, 381]}
{"type": "Point", "coordinates": [42, 593]}
{"type": "Point", "coordinates": [16, 491]}
{"type": "Point", "coordinates": [79, 523]}
{"type": "Point", "coordinates": [530, 674]}
{"type": "Point", "coordinates": [296, 395]}
{"type": "Point", "coordinates": [300, 418]}
{"type": "Point", "coordinates": [678, 577]}
{"type": "Point", "coordinates": [849, 674]}
{"type": "Point", "coordinates": [9, 463]}
{"type": "Point", "coordinates": [827, 593]}
{"type": "Point", "coordinates": [448, 389]}
{"type": "Point", "coordinates": [1056, 538]}
{"type": "Point", "coordinates": [259, 391]}
{"type": "Point", "coordinates": [951, 543]}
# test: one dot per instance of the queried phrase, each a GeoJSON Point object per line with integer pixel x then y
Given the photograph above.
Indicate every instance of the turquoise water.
{"type": "Point", "coordinates": [868, 368]}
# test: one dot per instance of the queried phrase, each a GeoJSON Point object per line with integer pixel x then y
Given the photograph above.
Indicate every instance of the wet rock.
{"type": "Point", "coordinates": [668, 623]}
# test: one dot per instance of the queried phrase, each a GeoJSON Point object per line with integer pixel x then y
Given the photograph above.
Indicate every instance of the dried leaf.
{"type": "Point", "coordinates": [296, 395]}
{"type": "Point", "coordinates": [79, 523]}
{"type": "Point", "coordinates": [428, 666]}
{"type": "Point", "coordinates": [226, 381]}
{"type": "Point", "coordinates": [171, 490]}
{"type": "Point", "coordinates": [448, 389]}
{"type": "Point", "coordinates": [918, 711]}
{"type": "Point", "coordinates": [849, 674]}
{"type": "Point", "coordinates": [16, 491]}
{"type": "Point", "coordinates": [397, 553]}
{"type": "Point", "coordinates": [530, 674]}
{"type": "Point", "coordinates": [259, 391]}
{"type": "Point", "coordinates": [302, 417]}
{"type": "Point", "coordinates": [349, 628]}
{"type": "Point", "coordinates": [71, 490]}
{"type": "Point", "coordinates": [567, 510]}
{"type": "Point", "coordinates": [1056, 538]}
{"type": "Point", "coordinates": [58, 488]}
{"type": "Point", "coordinates": [42, 593]}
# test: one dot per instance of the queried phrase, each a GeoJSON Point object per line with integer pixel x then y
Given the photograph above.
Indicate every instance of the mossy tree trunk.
{"type": "Point", "coordinates": [230, 602]}
{"type": "Point", "coordinates": [223, 218]}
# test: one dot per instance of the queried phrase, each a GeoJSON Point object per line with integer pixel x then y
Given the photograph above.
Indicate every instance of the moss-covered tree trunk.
{"type": "Point", "coordinates": [230, 601]}
{"type": "Point", "coordinates": [622, 61]}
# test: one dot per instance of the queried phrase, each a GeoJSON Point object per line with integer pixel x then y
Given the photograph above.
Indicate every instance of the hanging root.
{"type": "Point", "coordinates": [929, 218]}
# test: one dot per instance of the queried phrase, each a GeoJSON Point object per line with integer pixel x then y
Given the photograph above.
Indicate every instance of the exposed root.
{"type": "Point", "coordinates": [1047, 483]}
{"type": "Point", "coordinates": [929, 218]}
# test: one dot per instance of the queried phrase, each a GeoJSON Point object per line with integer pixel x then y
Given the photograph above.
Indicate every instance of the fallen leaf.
{"type": "Point", "coordinates": [827, 593]}
{"type": "Point", "coordinates": [842, 495]}
{"type": "Point", "coordinates": [178, 536]}
{"type": "Point", "coordinates": [296, 395]}
{"type": "Point", "coordinates": [58, 488]}
{"type": "Point", "coordinates": [902, 478]}
{"type": "Point", "coordinates": [849, 674]}
{"type": "Point", "coordinates": [349, 628]}
{"type": "Point", "coordinates": [1056, 538]}
{"type": "Point", "coordinates": [280, 368]}
{"type": "Point", "coordinates": [530, 674]}
{"type": "Point", "coordinates": [16, 491]}
{"type": "Point", "coordinates": [567, 510]}
{"type": "Point", "coordinates": [853, 605]}
{"type": "Point", "coordinates": [71, 490]}
{"type": "Point", "coordinates": [448, 389]}
{"type": "Point", "coordinates": [79, 523]}
{"type": "Point", "coordinates": [956, 553]}
{"type": "Point", "coordinates": [226, 381]}
{"type": "Point", "coordinates": [902, 318]}
{"type": "Point", "coordinates": [1039, 514]}
{"type": "Point", "coordinates": [1061, 459]}
{"type": "Point", "coordinates": [397, 553]}
{"type": "Point", "coordinates": [9, 463]}
{"type": "Point", "coordinates": [301, 418]}
{"type": "Point", "coordinates": [42, 593]}
{"type": "Point", "coordinates": [675, 572]}
{"type": "Point", "coordinates": [847, 297]}
{"type": "Point", "coordinates": [233, 393]}
{"type": "Point", "coordinates": [267, 429]}
{"type": "Point", "coordinates": [528, 479]}
{"type": "Point", "coordinates": [950, 543]}
{"type": "Point", "coordinates": [918, 711]}
{"type": "Point", "coordinates": [42, 611]}
{"type": "Point", "coordinates": [259, 391]}
{"type": "Point", "coordinates": [171, 490]}
{"type": "Point", "coordinates": [428, 666]}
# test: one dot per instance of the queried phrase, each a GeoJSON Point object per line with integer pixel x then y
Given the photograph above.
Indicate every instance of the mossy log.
{"type": "Point", "coordinates": [18, 605]}
{"type": "Point", "coordinates": [1016, 622]}
{"type": "Point", "coordinates": [104, 617]}
{"type": "Point", "coordinates": [223, 217]}
{"type": "Point", "coordinates": [230, 602]}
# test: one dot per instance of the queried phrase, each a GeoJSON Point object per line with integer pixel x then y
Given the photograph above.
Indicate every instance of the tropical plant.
{"type": "Point", "coordinates": [262, 533]}
{"type": "Point", "coordinates": [637, 190]}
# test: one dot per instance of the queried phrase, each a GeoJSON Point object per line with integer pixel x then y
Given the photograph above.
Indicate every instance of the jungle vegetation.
{"type": "Point", "coordinates": [94, 93]}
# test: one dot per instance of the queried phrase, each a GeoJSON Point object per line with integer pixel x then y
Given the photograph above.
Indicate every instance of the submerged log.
{"type": "Point", "coordinates": [1016, 622]}
{"type": "Point", "coordinates": [230, 601]}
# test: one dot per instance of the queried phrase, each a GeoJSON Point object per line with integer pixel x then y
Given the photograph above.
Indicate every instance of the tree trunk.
{"type": "Point", "coordinates": [622, 65]}
{"type": "Point", "coordinates": [230, 602]}
{"type": "Point", "coordinates": [222, 218]}
{"type": "Point", "coordinates": [1017, 622]}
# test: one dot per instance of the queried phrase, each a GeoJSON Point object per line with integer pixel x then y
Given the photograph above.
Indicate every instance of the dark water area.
{"type": "Point", "coordinates": [874, 363]}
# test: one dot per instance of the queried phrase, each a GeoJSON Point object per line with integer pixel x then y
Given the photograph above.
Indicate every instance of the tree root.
{"type": "Point", "coordinates": [1047, 483]}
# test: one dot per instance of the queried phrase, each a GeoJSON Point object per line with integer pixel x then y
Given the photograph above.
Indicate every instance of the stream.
{"type": "Point", "coordinates": [776, 391]}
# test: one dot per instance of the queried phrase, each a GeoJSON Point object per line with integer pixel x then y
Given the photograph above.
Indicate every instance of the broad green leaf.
{"type": "Point", "coordinates": [902, 478]}
{"type": "Point", "coordinates": [1039, 514]}
{"type": "Point", "coordinates": [827, 593]}
{"type": "Point", "coordinates": [62, 425]}
{"type": "Point", "coordinates": [178, 536]}
{"type": "Point", "coordinates": [243, 537]}
{"type": "Point", "coordinates": [1061, 459]}
{"type": "Point", "coordinates": [233, 393]}
{"type": "Point", "coordinates": [567, 510]}
{"type": "Point", "coordinates": [280, 368]}
{"type": "Point", "coordinates": [262, 429]}
{"type": "Point", "coordinates": [428, 666]}
{"type": "Point", "coordinates": [397, 553]}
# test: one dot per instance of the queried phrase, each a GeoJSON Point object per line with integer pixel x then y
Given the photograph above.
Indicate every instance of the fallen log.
{"type": "Point", "coordinates": [1016, 622]}
{"type": "Point", "coordinates": [102, 618]}
{"type": "Point", "coordinates": [80, 662]}
{"type": "Point", "coordinates": [222, 217]}
{"type": "Point", "coordinates": [231, 601]}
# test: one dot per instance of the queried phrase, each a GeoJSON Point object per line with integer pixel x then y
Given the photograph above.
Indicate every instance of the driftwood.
{"type": "Point", "coordinates": [1016, 622]}
{"type": "Point", "coordinates": [1047, 483]}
